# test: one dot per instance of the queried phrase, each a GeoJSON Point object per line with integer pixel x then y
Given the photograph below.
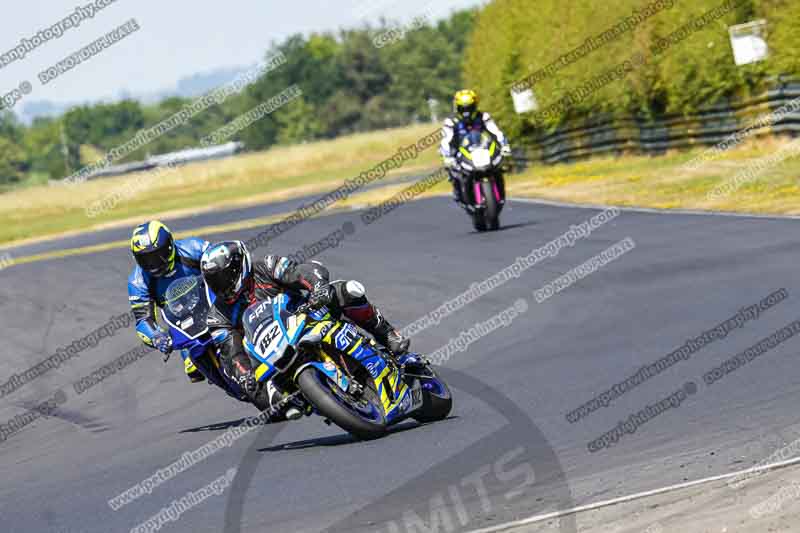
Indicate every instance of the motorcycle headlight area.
{"type": "Point", "coordinates": [481, 158]}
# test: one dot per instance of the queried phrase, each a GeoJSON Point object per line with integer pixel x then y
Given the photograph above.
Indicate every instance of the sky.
{"type": "Point", "coordinates": [175, 39]}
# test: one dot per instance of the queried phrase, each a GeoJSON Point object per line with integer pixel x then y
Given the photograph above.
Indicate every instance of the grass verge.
{"type": "Point", "coordinates": [286, 172]}
{"type": "Point", "coordinates": [276, 174]}
{"type": "Point", "coordinates": [666, 182]}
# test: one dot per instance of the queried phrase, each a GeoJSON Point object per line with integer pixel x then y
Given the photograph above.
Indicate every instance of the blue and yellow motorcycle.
{"type": "Point", "coordinates": [326, 366]}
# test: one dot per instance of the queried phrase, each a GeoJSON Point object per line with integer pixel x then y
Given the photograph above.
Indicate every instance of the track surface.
{"type": "Point", "coordinates": [686, 275]}
{"type": "Point", "coordinates": [186, 223]}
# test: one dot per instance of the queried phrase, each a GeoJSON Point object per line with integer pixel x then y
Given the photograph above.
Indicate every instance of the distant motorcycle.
{"type": "Point", "coordinates": [480, 161]}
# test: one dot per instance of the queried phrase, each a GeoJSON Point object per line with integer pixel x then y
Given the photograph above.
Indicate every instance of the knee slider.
{"type": "Point", "coordinates": [355, 289]}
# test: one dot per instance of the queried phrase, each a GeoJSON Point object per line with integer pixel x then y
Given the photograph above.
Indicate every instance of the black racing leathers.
{"type": "Point", "coordinates": [275, 275]}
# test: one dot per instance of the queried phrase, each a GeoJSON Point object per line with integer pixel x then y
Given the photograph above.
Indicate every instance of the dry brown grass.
{"type": "Point", "coordinates": [275, 174]}
{"type": "Point", "coordinates": [664, 182]}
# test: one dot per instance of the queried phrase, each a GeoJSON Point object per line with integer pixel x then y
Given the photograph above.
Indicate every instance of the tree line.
{"type": "Point", "coordinates": [352, 81]}
{"type": "Point", "coordinates": [589, 61]}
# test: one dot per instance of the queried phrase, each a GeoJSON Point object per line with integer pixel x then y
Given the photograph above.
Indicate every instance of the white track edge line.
{"type": "Point", "coordinates": [653, 210]}
{"type": "Point", "coordinates": [636, 496]}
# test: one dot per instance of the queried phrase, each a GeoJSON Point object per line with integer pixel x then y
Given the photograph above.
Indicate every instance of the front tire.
{"type": "Point", "coordinates": [478, 222]}
{"type": "Point", "coordinates": [491, 212]}
{"type": "Point", "coordinates": [330, 401]}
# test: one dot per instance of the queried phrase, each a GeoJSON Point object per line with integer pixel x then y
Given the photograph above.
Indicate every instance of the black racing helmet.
{"type": "Point", "coordinates": [226, 267]}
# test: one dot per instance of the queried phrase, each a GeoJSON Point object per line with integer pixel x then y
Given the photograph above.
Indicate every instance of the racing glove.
{"type": "Point", "coordinates": [450, 162]}
{"type": "Point", "coordinates": [248, 383]}
{"type": "Point", "coordinates": [320, 296]}
{"type": "Point", "coordinates": [163, 343]}
{"type": "Point", "coordinates": [506, 150]}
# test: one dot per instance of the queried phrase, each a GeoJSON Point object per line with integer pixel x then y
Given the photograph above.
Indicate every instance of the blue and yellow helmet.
{"type": "Point", "coordinates": [153, 247]}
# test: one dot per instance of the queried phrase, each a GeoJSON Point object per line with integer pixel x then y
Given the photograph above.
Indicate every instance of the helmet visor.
{"type": "Point", "coordinates": [466, 111]}
{"type": "Point", "coordinates": [223, 282]}
{"type": "Point", "coordinates": [157, 262]}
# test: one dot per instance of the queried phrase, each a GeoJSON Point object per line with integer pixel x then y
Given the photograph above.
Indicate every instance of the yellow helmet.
{"type": "Point", "coordinates": [465, 104]}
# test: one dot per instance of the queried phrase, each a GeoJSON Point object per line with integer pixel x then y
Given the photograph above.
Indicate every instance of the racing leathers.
{"type": "Point", "coordinates": [275, 275]}
{"type": "Point", "coordinates": [146, 293]}
{"type": "Point", "coordinates": [453, 131]}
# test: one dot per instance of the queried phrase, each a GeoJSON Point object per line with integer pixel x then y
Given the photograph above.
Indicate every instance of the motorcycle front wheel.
{"type": "Point", "coordinates": [491, 213]}
{"type": "Point", "coordinates": [361, 417]}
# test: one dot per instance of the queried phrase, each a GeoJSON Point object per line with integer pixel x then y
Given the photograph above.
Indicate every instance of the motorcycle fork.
{"type": "Point", "coordinates": [468, 194]}
{"type": "Point", "coordinates": [498, 189]}
{"type": "Point", "coordinates": [356, 389]}
{"type": "Point", "coordinates": [476, 187]}
{"type": "Point", "coordinates": [499, 186]}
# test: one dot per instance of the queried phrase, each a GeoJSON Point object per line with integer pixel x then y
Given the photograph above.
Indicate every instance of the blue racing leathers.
{"type": "Point", "coordinates": [146, 292]}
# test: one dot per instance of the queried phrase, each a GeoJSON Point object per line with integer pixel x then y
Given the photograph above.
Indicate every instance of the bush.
{"type": "Point", "coordinates": [515, 38]}
{"type": "Point", "coordinates": [13, 162]}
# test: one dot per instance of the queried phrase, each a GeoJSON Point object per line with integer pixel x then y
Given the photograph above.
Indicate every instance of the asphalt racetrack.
{"type": "Point", "coordinates": [508, 450]}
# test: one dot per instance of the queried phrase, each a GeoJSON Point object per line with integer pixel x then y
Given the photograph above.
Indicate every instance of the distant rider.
{"type": "Point", "coordinates": [467, 119]}
{"type": "Point", "coordinates": [237, 284]}
{"type": "Point", "coordinates": [160, 260]}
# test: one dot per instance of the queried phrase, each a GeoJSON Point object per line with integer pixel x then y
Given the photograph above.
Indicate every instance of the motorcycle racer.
{"type": "Point", "coordinates": [160, 260]}
{"type": "Point", "coordinates": [238, 283]}
{"type": "Point", "coordinates": [467, 118]}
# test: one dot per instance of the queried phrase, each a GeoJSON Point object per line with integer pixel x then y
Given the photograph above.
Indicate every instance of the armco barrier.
{"type": "Point", "coordinates": [182, 157]}
{"type": "Point", "coordinates": [610, 136]}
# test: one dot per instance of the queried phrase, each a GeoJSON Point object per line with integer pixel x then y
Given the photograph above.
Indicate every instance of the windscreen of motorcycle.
{"type": "Point", "coordinates": [186, 306]}
{"type": "Point", "coordinates": [477, 145]}
{"type": "Point", "coordinates": [477, 139]}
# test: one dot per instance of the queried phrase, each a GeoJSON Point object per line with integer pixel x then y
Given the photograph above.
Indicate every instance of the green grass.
{"type": "Point", "coordinates": [287, 172]}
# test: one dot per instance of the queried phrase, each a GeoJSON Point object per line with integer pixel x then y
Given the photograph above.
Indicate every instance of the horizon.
{"type": "Point", "coordinates": [137, 67]}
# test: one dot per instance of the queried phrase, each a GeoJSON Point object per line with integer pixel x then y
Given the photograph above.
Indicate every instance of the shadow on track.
{"type": "Point", "coordinates": [220, 426]}
{"type": "Point", "coordinates": [344, 438]}
{"type": "Point", "coordinates": [517, 225]}
{"type": "Point", "coordinates": [505, 227]}
{"type": "Point", "coordinates": [520, 440]}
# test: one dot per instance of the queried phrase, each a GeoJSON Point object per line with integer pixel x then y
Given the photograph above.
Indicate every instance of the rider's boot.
{"type": "Point", "coordinates": [458, 195]}
{"type": "Point", "coordinates": [239, 369]}
{"type": "Point", "coordinates": [268, 398]}
{"type": "Point", "coordinates": [194, 375]}
{"type": "Point", "coordinates": [387, 335]}
{"type": "Point", "coordinates": [501, 183]}
{"type": "Point", "coordinates": [280, 410]}
{"type": "Point", "coordinates": [369, 318]}
{"type": "Point", "coordinates": [352, 298]}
